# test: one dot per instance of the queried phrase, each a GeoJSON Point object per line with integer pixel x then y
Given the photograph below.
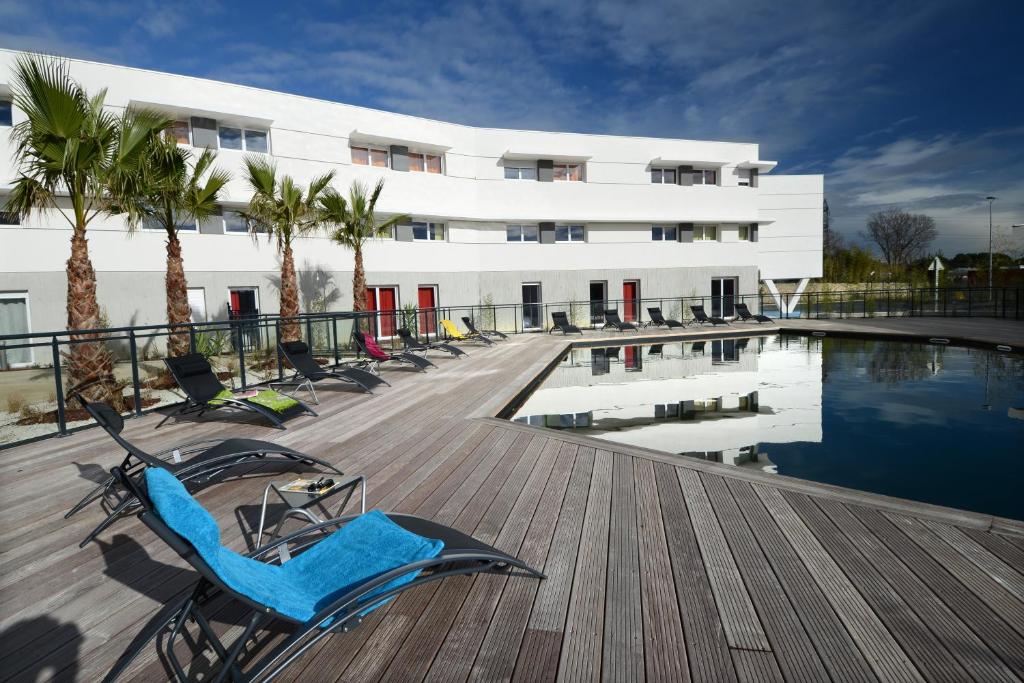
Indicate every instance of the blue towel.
{"type": "Point", "coordinates": [366, 547]}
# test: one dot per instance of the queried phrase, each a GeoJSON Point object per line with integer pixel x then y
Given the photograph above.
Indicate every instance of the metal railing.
{"type": "Point", "coordinates": [245, 351]}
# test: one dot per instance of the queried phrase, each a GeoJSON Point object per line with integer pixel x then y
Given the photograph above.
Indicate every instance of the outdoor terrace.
{"type": "Point", "coordinates": [659, 567]}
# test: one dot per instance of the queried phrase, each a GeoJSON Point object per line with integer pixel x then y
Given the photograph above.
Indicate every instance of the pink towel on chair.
{"type": "Point", "coordinates": [373, 349]}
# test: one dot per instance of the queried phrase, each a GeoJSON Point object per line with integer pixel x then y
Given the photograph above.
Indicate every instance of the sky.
{"type": "Point", "coordinates": [917, 105]}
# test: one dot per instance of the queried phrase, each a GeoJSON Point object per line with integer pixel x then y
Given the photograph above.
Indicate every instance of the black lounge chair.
{"type": "Point", "coordinates": [658, 320]}
{"type": "Point", "coordinates": [375, 355]}
{"type": "Point", "coordinates": [413, 345]}
{"type": "Point", "coordinates": [702, 318]}
{"type": "Point", "coordinates": [561, 323]}
{"type": "Point", "coordinates": [746, 316]}
{"type": "Point", "coordinates": [612, 319]}
{"type": "Point", "coordinates": [194, 462]}
{"type": "Point", "coordinates": [203, 391]}
{"type": "Point", "coordinates": [308, 371]}
{"type": "Point", "coordinates": [468, 322]}
{"type": "Point", "coordinates": [312, 583]}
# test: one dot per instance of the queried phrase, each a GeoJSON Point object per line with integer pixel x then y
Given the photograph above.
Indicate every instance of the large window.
{"type": "Point", "coordinates": [179, 132]}
{"type": "Point", "coordinates": [184, 224]}
{"type": "Point", "coordinates": [569, 233]}
{"type": "Point", "coordinates": [428, 232]}
{"type": "Point", "coordinates": [521, 233]}
{"type": "Point", "coordinates": [666, 176]}
{"type": "Point", "coordinates": [424, 163]}
{"type": "Point", "coordinates": [571, 172]}
{"type": "Point", "coordinates": [664, 233]}
{"type": "Point", "coordinates": [370, 156]}
{"type": "Point", "coordinates": [5, 112]}
{"type": "Point", "coordinates": [243, 140]}
{"type": "Point", "coordinates": [705, 177]}
{"type": "Point", "coordinates": [744, 233]}
{"type": "Point", "coordinates": [705, 233]}
{"type": "Point", "coordinates": [235, 223]}
{"type": "Point", "coordinates": [520, 173]}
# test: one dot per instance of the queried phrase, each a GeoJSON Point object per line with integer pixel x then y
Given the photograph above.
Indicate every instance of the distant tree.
{"type": "Point", "coordinates": [902, 237]}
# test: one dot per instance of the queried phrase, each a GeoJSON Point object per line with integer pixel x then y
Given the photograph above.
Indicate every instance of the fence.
{"type": "Point", "coordinates": [245, 352]}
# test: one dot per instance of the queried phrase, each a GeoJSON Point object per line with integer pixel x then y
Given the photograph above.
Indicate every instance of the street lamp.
{"type": "Point", "coordinates": [990, 200]}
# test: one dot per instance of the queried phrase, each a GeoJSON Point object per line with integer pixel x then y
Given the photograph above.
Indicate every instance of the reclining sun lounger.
{"type": "Point", "coordinates": [561, 322]}
{"type": "Point", "coordinates": [658, 320]}
{"type": "Point", "coordinates": [367, 345]}
{"type": "Point", "coordinates": [308, 371]}
{"type": "Point", "coordinates": [701, 317]}
{"type": "Point", "coordinates": [455, 334]}
{"type": "Point", "coordinates": [468, 322]}
{"type": "Point", "coordinates": [316, 584]}
{"type": "Point", "coordinates": [746, 316]}
{"type": "Point", "coordinates": [196, 461]}
{"type": "Point", "coordinates": [413, 345]}
{"type": "Point", "coordinates": [203, 391]}
{"type": "Point", "coordinates": [612, 319]}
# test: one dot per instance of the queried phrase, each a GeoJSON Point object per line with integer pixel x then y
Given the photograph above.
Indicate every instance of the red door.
{"type": "Point", "coordinates": [235, 301]}
{"type": "Point", "coordinates": [629, 300]}
{"type": "Point", "coordinates": [428, 316]}
{"type": "Point", "coordinates": [387, 300]}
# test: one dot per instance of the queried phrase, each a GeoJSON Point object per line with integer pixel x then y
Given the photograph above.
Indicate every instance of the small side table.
{"type": "Point", "coordinates": [299, 502]}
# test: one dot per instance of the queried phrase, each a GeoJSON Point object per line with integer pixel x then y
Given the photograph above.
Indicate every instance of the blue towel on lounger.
{"type": "Point", "coordinates": [366, 547]}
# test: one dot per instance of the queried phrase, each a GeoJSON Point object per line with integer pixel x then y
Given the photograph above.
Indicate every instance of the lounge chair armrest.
{"type": "Point", "coordinates": [190, 446]}
{"type": "Point", "coordinates": [336, 521]}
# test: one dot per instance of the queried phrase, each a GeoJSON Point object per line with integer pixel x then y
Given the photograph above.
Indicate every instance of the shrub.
{"type": "Point", "coordinates": [16, 403]}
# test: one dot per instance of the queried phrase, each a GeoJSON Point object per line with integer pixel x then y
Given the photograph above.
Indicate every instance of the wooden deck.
{"type": "Point", "coordinates": [659, 568]}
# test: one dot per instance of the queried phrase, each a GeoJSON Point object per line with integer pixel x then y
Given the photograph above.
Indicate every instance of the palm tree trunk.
{"type": "Point", "coordinates": [289, 297]}
{"type": "Point", "coordinates": [178, 310]}
{"type": "Point", "coordinates": [359, 286]}
{"type": "Point", "coordinates": [87, 361]}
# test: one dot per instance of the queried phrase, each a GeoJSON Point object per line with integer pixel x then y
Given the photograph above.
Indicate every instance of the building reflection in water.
{"type": "Point", "coordinates": [719, 400]}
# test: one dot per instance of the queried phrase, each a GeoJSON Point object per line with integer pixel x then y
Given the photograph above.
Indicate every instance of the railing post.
{"type": "Point", "coordinates": [241, 358]}
{"type": "Point", "coordinates": [334, 330]}
{"type": "Point", "coordinates": [970, 300]}
{"type": "Point", "coordinates": [277, 350]}
{"type": "Point", "coordinates": [62, 423]}
{"type": "Point", "coordinates": [136, 390]}
{"type": "Point", "coordinates": [309, 334]}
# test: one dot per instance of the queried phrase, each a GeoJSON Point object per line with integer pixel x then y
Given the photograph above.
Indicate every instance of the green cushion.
{"type": "Point", "coordinates": [267, 398]}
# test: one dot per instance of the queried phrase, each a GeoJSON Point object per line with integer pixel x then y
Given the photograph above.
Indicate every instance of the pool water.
{"type": "Point", "coordinates": [938, 424]}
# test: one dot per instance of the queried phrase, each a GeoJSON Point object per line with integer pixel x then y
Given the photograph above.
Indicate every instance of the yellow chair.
{"type": "Point", "coordinates": [455, 334]}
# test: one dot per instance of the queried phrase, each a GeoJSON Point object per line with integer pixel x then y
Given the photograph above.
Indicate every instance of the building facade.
{"type": "Point", "coordinates": [506, 216]}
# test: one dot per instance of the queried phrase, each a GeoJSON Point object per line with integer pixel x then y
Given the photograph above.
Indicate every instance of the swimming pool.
{"type": "Point", "coordinates": [933, 423]}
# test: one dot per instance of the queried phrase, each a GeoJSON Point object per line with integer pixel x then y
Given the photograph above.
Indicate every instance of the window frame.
{"type": "Point", "coordinates": [8, 120]}
{"type": "Point", "coordinates": [701, 229]}
{"type": "Point", "coordinates": [370, 149]}
{"type": "Point", "coordinates": [567, 179]}
{"type": "Point", "coordinates": [146, 226]}
{"type": "Point", "coordinates": [224, 218]}
{"type": "Point", "coordinates": [519, 172]}
{"type": "Point", "coordinates": [188, 132]}
{"type": "Point", "coordinates": [430, 227]}
{"type": "Point", "coordinates": [522, 233]}
{"type": "Point", "coordinates": [743, 232]}
{"type": "Point", "coordinates": [242, 130]}
{"type": "Point", "coordinates": [703, 173]}
{"type": "Point", "coordinates": [14, 296]}
{"type": "Point", "coordinates": [569, 233]}
{"type": "Point", "coordinates": [662, 170]}
{"type": "Point", "coordinates": [424, 156]}
{"type": "Point", "coordinates": [665, 231]}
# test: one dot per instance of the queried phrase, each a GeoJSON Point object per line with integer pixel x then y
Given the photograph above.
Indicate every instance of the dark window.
{"type": "Point", "coordinates": [9, 218]}
{"type": "Point", "coordinates": [666, 176]}
{"type": "Point", "coordinates": [663, 233]}
{"type": "Point", "coordinates": [5, 113]}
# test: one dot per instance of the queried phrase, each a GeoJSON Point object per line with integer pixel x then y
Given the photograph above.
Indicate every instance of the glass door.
{"type": "Point", "coordinates": [723, 296]}
{"type": "Point", "coordinates": [532, 313]}
{"type": "Point", "coordinates": [598, 301]}
{"type": "Point", "coordinates": [14, 320]}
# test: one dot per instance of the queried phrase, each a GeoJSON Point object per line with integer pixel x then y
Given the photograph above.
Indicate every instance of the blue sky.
{"type": "Point", "coordinates": [905, 103]}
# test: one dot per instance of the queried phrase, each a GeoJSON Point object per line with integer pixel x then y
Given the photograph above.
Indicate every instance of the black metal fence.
{"type": "Point", "coordinates": [244, 350]}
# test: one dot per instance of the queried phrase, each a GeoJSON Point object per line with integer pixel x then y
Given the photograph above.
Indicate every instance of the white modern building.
{"type": "Point", "coordinates": [507, 216]}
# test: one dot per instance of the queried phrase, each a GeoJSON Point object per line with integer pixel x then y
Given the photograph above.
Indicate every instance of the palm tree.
{"type": "Point", "coordinates": [77, 159]}
{"type": "Point", "coordinates": [280, 208]}
{"type": "Point", "coordinates": [175, 193]}
{"type": "Point", "coordinates": [355, 222]}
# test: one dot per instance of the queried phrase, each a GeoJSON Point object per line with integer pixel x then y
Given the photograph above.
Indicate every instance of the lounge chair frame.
{"type": "Point", "coordinates": [612, 319]}
{"type": "Point", "coordinates": [372, 363]}
{"type": "Point", "coordinates": [196, 466]}
{"type": "Point", "coordinates": [453, 331]}
{"type": "Point", "coordinates": [308, 371]}
{"type": "Point", "coordinates": [746, 316]}
{"type": "Point", "coordinates": [560, 322]}
{"type": "Point", "coordinates": [702, 318]}
{"type": "Point", "coordinates": [462, 555]}
{"type": "Point", "coordinates": [413, 345]}
{"type": "Point", "coordinates": [468, 322]}
{"type": "Point", "coordinates": [200, 403]}
{"type": "Point", "coordinates": [659, 320]}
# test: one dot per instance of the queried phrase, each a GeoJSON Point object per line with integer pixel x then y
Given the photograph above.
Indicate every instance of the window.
{"type": "Point", "coordinates": [5, 112]}
{"type": "Point", "coordinates": [521, 233]}
{"type": "Point", "coordinates": [705, 177]}
{"type": "Point", "coordinates": [179, 132]}
{"type": "Point", "coordinates": [744, 177]}
{"type": "Point", "coordinates": [428, 232]}
{"type": "Point", "coordinates": [8, 217]}
{"type": "Point", "coordinates": [520, 173]}
{"type": "Point", "coordinates": [666, 233]}
{"type": "Point", "coordinates": [666, 176]}
{"type": "Point", "coordinates": [370, 156]}
{"type": "Point", "coordinates": [184, 224]}
{"type": "Point", "coordinates": [242, 140]}
{"type": "Point", "coordinates": [14, 319]}
{"type": "Point", "coordinates": [744, 233]}
{"type": "Point", "coordinates": [424, 163]}
{"type": "Point", "coordinates": [705, 233]}
{"type": "Point", "coordinates": [569, 233]}
{"type": "Point", "coordinates": [235, 223]}
{"type": "Point", "coordinates": [571, 172]}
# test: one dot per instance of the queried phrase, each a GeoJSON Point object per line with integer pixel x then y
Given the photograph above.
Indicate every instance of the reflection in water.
{"type": "Point", "coordinates": [918, 421]}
